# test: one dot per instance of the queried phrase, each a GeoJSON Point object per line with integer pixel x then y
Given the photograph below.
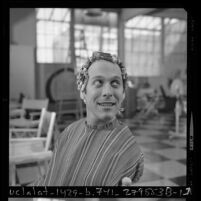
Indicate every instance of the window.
{"type": "Point", "coordinates": [99, 36]}
{"type": "Point", "coordinates": [89, 38]}
{"type": "Point", "coordinates": [175, 36]}
{"type": "Point", "coordinates": [143, 38]}
{"type": "Point", "coordinates": [142, 43]}
{"type": "Point", "coordinates": [52, 36]}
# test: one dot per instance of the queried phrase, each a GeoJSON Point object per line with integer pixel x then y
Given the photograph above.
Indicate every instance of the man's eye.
{"type": "Point", "coordinates": [115, 83]}
{"type": "Point", "coordinates": [97, 83]}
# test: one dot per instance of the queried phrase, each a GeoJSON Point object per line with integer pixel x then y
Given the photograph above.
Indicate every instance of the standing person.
{"type": "Point", "coordinates": [98, 150]}
{"type": "Point", "coordinates": [177, 85]}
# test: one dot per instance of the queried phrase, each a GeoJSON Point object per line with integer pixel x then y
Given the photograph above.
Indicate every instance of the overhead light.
{"type": "Point", "coordinates": [93, 12]}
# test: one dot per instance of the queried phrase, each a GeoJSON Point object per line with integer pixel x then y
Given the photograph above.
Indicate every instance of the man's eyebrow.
{"type": "Point", "coordinates": [102, 77]}
{"type": "Point", "coordinates": [97, 77]}
{"type": "Point", "coordinates": [116, 77]}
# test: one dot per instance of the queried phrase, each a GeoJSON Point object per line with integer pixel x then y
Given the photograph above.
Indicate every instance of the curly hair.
{"type": "Point", "coordinates": [82, 76]}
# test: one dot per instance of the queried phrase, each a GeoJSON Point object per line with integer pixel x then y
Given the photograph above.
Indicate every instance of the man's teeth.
{"type": "Point", "coordinates": [106, 104]}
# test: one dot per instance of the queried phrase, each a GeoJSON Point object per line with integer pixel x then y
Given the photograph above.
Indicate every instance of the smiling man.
{"type": "Point", "coordinates": [98, 150]}
{"type": "Point", "coordinates": [104, 92]}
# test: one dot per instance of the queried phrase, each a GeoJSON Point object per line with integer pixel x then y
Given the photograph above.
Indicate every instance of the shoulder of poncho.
{"type": "Point", "coordinates": [76, 124]}
{"type": "Point", "coordinates": [69, 128]}
{"type": "Point", "coordinates": [125, 126]}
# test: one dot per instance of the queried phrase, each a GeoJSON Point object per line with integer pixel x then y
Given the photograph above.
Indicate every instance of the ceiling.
{"type": "Point", "coordinates": [127, 13]}
{"type": "Point", "coordinates": [95, 16]}
{"type": "Point", "coordinates": [178, 13]}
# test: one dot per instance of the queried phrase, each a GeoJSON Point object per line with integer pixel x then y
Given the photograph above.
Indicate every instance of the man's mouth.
{"type": "Point", "coordinates": [106, 104]}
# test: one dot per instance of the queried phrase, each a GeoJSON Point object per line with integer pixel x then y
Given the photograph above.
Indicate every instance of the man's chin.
{"type": "Point", "coordinates": [108, 117]}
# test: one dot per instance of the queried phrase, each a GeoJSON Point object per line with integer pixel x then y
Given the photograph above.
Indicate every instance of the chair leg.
{"type": "Point", "coordinates": [12, 170]}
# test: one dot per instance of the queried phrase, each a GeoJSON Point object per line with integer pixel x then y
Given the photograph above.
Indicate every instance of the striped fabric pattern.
{"type": "Point", "coordinates": [86, 156]}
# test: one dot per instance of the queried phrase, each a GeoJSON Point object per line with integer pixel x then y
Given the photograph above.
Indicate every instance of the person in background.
{"type": "Point", "coordinates": [98, 150]}
{"type": "Point", "coordinates": [177, 85]}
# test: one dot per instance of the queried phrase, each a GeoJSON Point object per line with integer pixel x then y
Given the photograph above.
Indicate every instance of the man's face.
{"type": "Point", "coordinates": [104, 91]}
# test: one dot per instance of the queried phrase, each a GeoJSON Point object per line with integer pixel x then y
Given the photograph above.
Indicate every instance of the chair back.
{"type": "Point", "coordinates": [42, 140]}
{"type": "Point", "coordinates": [46, 126]}
{"type": "Point", "coordinates": [32, 149]}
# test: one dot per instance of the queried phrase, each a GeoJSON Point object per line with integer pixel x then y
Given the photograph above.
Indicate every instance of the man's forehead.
{"type": "Point", "coordinates": [104, 69]}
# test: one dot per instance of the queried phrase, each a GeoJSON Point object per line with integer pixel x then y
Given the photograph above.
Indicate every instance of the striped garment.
{"type": "Point", "coordinates": [90, 156]}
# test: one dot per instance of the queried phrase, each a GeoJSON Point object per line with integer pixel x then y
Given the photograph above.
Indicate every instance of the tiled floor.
{"type": "Point", "coordinates": [165, 159]}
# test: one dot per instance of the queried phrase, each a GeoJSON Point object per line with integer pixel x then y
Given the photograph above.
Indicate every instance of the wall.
{"type": "Point", "coordinates": [22, 26]}
{"type": "Point", "coordinates": [21, 71]}
{"type": "Point", "coordinates": [22, 52]}
{"type": "Point", "coordinates": [44, 71]}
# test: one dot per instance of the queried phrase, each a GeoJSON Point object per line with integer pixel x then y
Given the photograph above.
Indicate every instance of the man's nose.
{"type": "Point", "coordinates": [107, 90]}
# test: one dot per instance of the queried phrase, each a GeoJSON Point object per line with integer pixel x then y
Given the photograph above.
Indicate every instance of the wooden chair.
{"type": "Point", "coordinates": [23, 150]}
{"type": "Point", "coordinates": [32, 106]}
{"type": "Point", "coordinates": [29, 131]}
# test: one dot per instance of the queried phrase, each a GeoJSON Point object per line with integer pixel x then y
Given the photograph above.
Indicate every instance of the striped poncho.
{"type": "Point", "coordinates": [91, 156]}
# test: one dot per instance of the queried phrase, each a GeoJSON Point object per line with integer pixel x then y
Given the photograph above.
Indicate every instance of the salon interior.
{"type": "Point", "coordinates": [48, 47]}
